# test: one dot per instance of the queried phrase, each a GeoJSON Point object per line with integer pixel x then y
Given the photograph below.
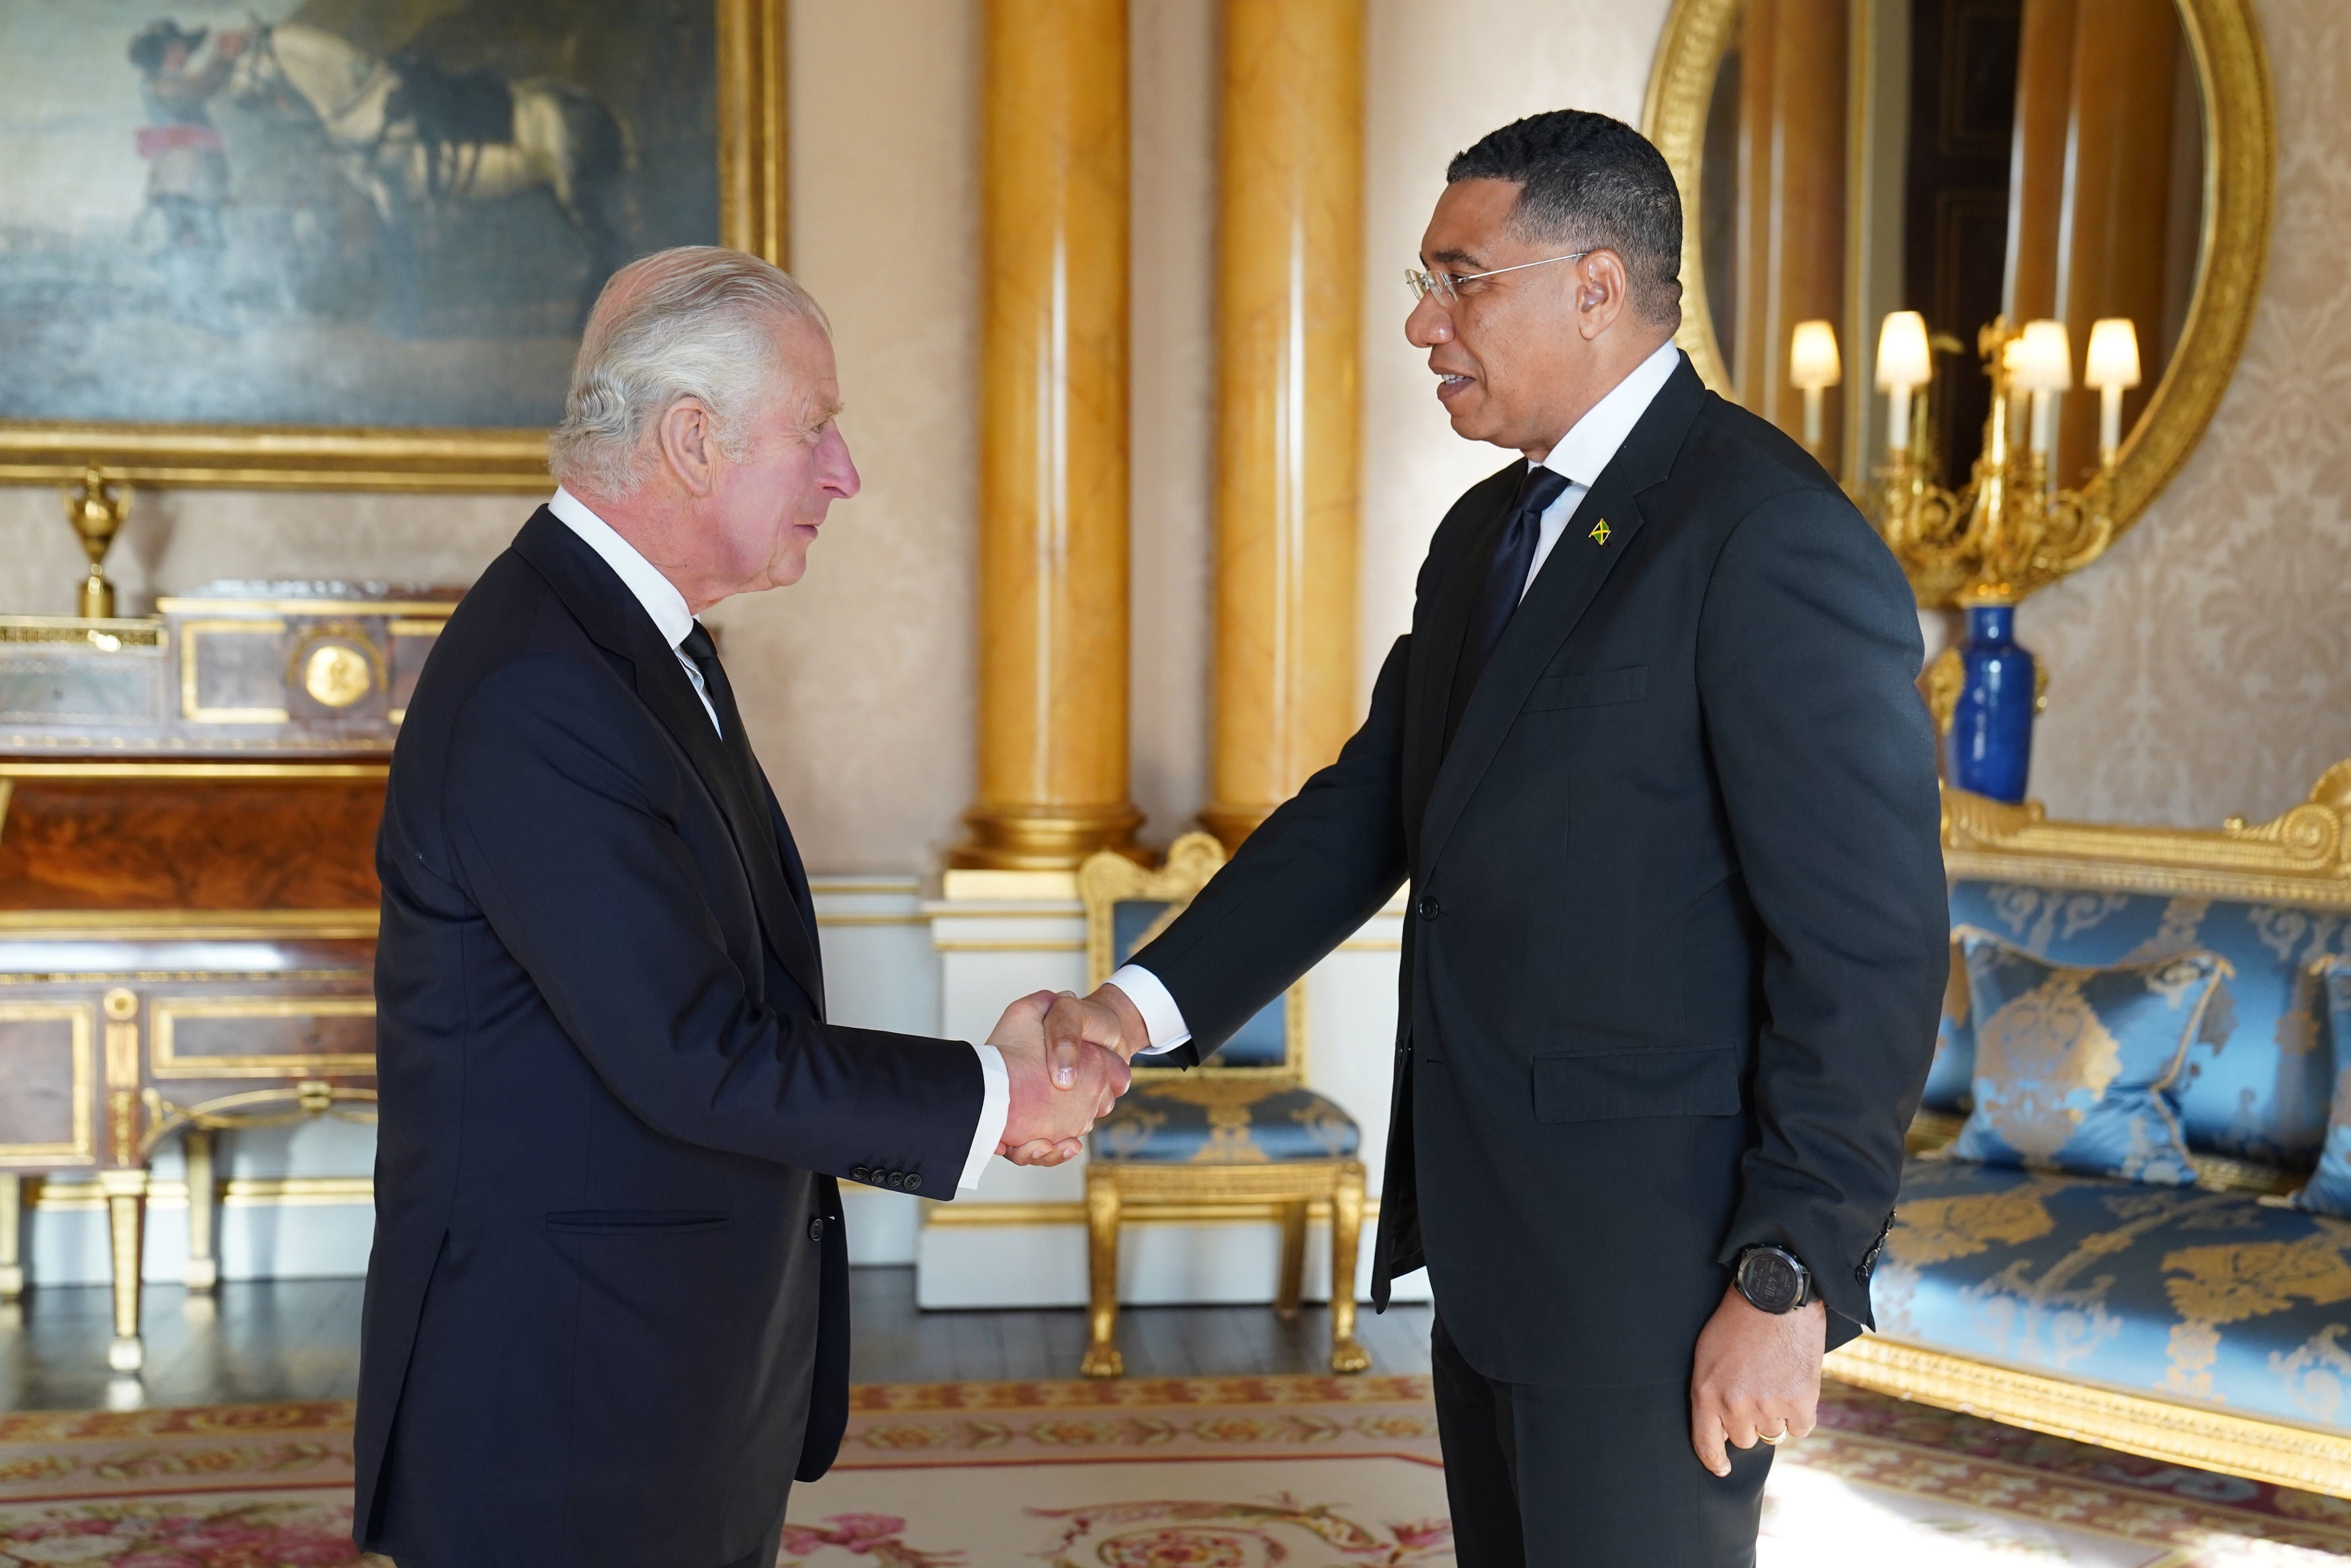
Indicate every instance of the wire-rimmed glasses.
{"type": "Point", "coordinates": [1442, 284]}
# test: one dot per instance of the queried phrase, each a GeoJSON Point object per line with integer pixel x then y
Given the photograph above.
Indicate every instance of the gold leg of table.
{"type": "Point", "coordinates": [1102, 1359]}
{"type": "Point", "coordinates": [126, 1216]}
{"type": "Point", "coordinates": [1346, 1230]}
{"type": "Point", "coordinates": [203, 1210]}
{"type": "Point", "coordinates": [12, 1236]}
{"type": "Point", "coordinates": [1293, 1262]}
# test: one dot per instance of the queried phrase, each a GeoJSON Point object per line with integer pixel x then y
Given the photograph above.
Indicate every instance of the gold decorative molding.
{"type": "Point", "coordinates": [968, 1215]}
{"type": "Point", "coordinates": [2302, 856]}
{"type": "Point", "coordinates": [2238, 194]}
{"type": "Point", "coordinates": [166, 1013]}
{"type": "Point", "coordinates": [81, 1147]}
{"type": "Point", "coordinates": [50, 1197]}
{"type": "Point", "coordinates": [753, 162]}
{"type": "Point", "coordinates": [186, 925]}
{"type": "Point", "coordinates": [2307, 1458]}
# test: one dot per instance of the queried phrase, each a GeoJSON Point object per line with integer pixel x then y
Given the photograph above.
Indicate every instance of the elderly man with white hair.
{"type": "Point", "coordinates": [607, 1311]}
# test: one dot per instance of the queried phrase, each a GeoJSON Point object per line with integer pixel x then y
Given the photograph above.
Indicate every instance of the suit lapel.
{"type": "Point", "coordinates": [1431, 687]}
{"type": "Point", "coordinates": [1578, 566]}
{"type": "Point", "coordinates": [604, 607]}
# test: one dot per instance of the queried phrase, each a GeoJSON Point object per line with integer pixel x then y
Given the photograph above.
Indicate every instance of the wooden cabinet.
{"type": "Point", "coordinates": [188, 808]}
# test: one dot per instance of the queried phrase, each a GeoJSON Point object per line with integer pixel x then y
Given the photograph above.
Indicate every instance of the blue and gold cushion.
{"type": "Point", "coordinates": [2182, 1293]}
{"type": "Point", "coordinates": [1205, 1119]}
{"type": "Point", "coordinates": [2328, 1190]}
{"type": "Point", "coordinates": [2073, 1064]}
{"type": "Point", "coordinates": [2256, 1082]}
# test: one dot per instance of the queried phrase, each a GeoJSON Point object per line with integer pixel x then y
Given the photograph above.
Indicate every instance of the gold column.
{"type": "Point", "coordinates": [1288, 329]}
{"type": "Point", "coordinates": [1053, 435]}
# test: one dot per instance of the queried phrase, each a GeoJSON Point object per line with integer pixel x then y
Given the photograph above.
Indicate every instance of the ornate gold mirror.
{"type": "Point", "coordinates": [2070, 163]}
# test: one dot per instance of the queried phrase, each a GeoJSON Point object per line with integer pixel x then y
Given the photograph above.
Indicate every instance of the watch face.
{"type": "Point", "coordinates": [1770, 1281]}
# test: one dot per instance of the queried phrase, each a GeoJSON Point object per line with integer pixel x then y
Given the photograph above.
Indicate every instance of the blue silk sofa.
{"type": "Point", "coordinates": [2207, 1324]}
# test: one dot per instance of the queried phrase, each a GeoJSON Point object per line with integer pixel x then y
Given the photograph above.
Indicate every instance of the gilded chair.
{"type": "Point", "coordinates": [1241, 1137]}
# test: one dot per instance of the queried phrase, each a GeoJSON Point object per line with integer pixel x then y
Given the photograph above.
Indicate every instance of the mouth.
{"type": "Point", "coordinates": [1450, 386]}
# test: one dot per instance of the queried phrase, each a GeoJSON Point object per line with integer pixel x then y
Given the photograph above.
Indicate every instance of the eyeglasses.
{"type": "Point", "coordinates": [1442, 284]}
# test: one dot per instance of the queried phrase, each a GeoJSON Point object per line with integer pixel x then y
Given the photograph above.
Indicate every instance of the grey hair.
{"type": "Point", "coordinates": [699, 322]}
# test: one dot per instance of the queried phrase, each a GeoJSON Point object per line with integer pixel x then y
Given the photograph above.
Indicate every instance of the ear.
{"type": "Point", "coordinates": [1603, 291]}
{"type": "Point", "coordinates": [687, 436]}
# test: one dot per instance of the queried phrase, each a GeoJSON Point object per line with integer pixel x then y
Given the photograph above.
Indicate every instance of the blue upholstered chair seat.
{"type": "Point", "coordinates": [2179, 1292]}
{"type": "Point", "coordinates": [1201, 1120]}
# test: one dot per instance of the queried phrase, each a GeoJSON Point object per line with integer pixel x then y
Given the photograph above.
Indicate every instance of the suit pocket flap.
{"type": "Point", "coordinates": [1589, 689]}
{"type": "Point", "coordinates": [1598, 1086]}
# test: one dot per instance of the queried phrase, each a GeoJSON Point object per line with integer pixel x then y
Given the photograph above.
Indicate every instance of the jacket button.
{"type": "Point", "coordinates": [897, 1178]}
{"type": "Point", "coordinates": [1430, 907]}
{"type": "Point", "coordinates": [913, 1182]}
{"type": "Point", "coordinates": [816, 1229]}
{"type": "Point", "coordinates": [859, 1173]}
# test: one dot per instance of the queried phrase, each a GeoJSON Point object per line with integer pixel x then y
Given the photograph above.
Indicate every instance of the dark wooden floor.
{"type": "Point", "coordinates": [298, 1339]}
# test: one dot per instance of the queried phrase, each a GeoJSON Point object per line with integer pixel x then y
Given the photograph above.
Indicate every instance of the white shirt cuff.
{"type": "Point", "coordinates": [995, 1111]}
{"type": "Point", "coordinates": [1161, 1017]}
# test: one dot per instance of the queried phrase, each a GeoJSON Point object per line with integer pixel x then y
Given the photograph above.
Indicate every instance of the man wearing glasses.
{"type": "Point", "coordinates": [1654, 762]}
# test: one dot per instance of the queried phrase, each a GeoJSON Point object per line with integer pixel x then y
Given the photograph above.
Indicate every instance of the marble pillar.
{"type": "Point", "coordinates": [1289, 331]}
{"type": "Point", "coordinates": [1053, 439]}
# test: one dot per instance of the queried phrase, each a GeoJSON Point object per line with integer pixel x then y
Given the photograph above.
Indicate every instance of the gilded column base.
{"type": "Point", "coordinates": [1045, 838]}
{"type": "Point", "coordinates": [1231, 822]}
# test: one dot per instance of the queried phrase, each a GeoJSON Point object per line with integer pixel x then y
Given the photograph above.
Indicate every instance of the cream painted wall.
{"type": "Point", "coordinates": [2205, 668]}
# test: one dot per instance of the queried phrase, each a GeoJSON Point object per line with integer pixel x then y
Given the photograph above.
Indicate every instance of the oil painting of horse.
{"type": "Point", "coordinates": [347, 214]}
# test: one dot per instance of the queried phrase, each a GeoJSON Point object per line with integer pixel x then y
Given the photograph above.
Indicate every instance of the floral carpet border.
{"type": "Point", "coordinates": [1122, 1392]}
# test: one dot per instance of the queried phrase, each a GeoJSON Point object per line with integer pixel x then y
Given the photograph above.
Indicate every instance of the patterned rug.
{"type": "Point", "coordinates": [1310, 1472]}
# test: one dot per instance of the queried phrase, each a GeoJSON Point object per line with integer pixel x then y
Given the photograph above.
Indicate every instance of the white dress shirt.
{"type": "Point", "coordinates": [673, 619]}
{"type": "Point", "coordinates": [1587, 447]}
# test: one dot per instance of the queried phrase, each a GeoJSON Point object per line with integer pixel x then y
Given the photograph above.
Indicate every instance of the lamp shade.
{"type": "Point", "coordinates": [1904, 361]}
{"type": "Point", "coordinates": [2043, 359]}
{"type": "Point", "coordinates": [1812, 356]}
{"type": "Point", "coordinates": [2114, 355]}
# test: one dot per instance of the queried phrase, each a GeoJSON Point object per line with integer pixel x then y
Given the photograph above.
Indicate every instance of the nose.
{"type": "Point", "coordinates": [834, 465]}
{"type": "Point", "coordinates": [1428, 324]}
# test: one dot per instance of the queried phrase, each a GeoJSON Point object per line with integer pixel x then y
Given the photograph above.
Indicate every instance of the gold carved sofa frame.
{"type": "Point", "coordinates": [2301, 859]}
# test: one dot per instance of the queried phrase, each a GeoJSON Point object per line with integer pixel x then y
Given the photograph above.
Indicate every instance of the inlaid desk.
{"type": "Point", "coordinates": [188, 807]}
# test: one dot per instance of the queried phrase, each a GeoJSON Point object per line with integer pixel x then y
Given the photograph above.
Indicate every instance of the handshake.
{"type": "Point", "coordinates": [1067, 1056]}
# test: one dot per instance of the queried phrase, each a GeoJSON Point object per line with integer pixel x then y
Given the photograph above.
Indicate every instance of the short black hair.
{"type": "Point", "coordinates": [1586, 180]}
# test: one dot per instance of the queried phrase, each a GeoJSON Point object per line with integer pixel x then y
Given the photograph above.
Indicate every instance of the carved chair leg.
{"type": "Point", "coordinates": [1346, 1230]}
{"type": "Point", "coordinates": [126, 1215]}
{"type": "Point", "coordinates": [1293, 1262]}
{"type": "Point", "coordinates": [1102, 1359]}
{"type": "Point", "coordinates": [12, 1236]}
{"type": "Point", "coordinates": [204, 1207]}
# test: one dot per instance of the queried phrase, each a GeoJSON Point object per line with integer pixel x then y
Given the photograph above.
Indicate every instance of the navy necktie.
{"type": "Point", "coordinates": [698, 646]}
{"type": "Point", "coordinates": [1505, 583]}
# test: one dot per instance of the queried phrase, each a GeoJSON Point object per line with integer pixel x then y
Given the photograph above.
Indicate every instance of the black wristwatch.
{"type": "Point", "coordinates": [1774, 1280]}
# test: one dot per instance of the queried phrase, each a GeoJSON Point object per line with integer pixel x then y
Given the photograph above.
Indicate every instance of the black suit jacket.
{"type": "Point", "coordinates": [1679, 938]}
{"type": "Point", "coordinates": [607, 1311]}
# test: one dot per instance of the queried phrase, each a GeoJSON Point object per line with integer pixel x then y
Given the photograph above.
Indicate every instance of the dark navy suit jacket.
{"type": "Point", "coordinates": [1677, 941]}
{"type": "Point", "coordinates": [607, 1311]}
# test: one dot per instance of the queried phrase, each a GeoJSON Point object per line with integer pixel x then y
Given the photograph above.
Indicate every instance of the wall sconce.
{"type": "Point", "coordinates": [1813, 365]}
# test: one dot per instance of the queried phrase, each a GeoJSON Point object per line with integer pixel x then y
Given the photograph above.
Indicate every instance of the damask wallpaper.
{"type": "Point", "coordinates": [2203, 668]}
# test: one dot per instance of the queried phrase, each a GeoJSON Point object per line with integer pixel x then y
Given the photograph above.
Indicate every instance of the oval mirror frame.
{"type": "Point", "coordinates": [2239, 175]}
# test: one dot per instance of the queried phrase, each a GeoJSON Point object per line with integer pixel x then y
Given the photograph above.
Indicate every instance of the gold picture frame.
{"type": "Point", "coordinates": [2238, 194]}
{"type": "Point", "coordinates": [750, 83]}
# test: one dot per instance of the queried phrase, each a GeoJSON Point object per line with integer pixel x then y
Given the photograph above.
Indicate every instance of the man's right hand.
{"type": "Point", "coordinates": [1048, 1120]}
{"type": "Point", "coordinates": [1108, 1019]}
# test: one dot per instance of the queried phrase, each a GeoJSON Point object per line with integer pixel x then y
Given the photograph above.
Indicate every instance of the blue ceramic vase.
{"type": "Point", "coordinates": [1992, 730]}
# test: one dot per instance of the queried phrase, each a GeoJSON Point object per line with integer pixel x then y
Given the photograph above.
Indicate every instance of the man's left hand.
{"type": "Point", "coordinates": [1757, 1375]}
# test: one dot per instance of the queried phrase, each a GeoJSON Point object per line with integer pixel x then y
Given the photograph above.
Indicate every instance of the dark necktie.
{"type": "Point", "coordinates": [1505, 583]}
{"type": "Point", "coordinates": [698, 646]}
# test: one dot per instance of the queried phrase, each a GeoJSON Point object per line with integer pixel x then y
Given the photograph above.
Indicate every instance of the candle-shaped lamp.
{"type": "Point", "coordinates": [1905, 364]}
{"type": "Point", "coordinates": [2042, 363]}
{"type": "Point", "coordinates": [1813, 365]}
{"type": "Point", "coordinates": [2113, 366]}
